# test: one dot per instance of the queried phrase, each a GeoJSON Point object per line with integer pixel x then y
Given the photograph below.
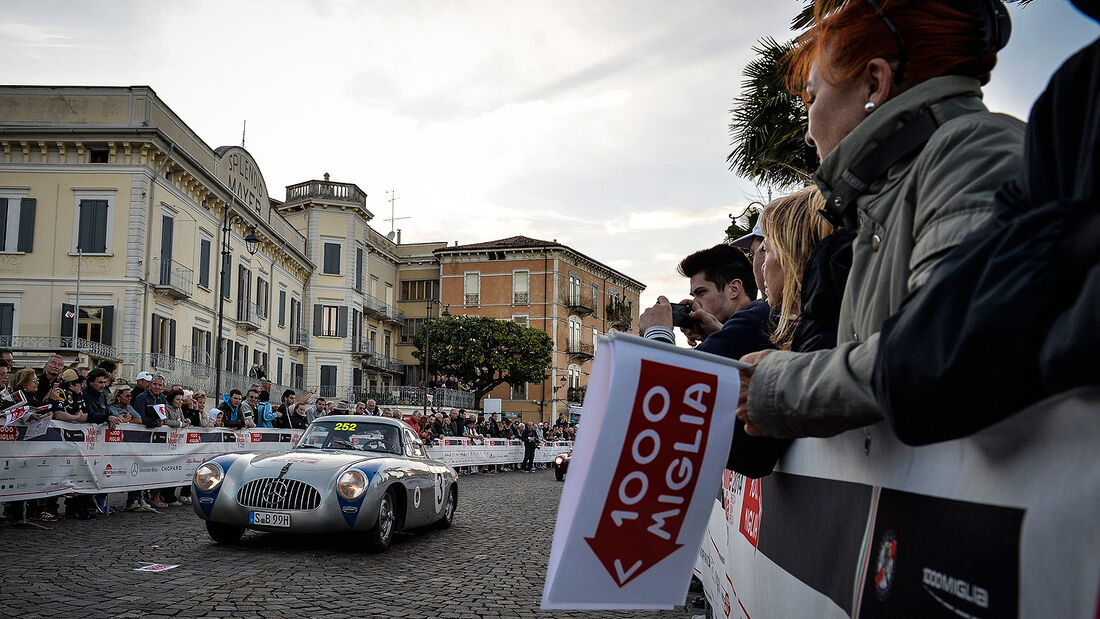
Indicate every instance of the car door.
{"type": "Point", "coordinates": [420, 482]}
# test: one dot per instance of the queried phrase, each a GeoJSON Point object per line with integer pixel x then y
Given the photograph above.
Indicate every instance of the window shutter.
{"type": "Point", "coordinates": [154, 334]}
{"type": "Point", "coordinates": [66, 323]}
{"type": "Point", "coordinates": [172, 338]}
{"type": "Point", "coordinates": [108, 331]}
{"type": "Point", "coordinates": [26, 224]}
{"type": "Point", "coordinates": [227, 271]}
{"type": "Point", "coordinates": [316, 319]}
{"type": "Point", "coordinates": [99, 238]}
{"type": "Point", "coordinates": [279, 370]}
{"type": "Point", "coordinates": [7, 320]}
{"type": "Point", "coordinates": [3, 224]}
{"type": "Point", "coordinates": [204, 263]}
{"type": "Point", "coordinates": [342, 320]}
{"type": "Point", "coordinates": [282, 307]}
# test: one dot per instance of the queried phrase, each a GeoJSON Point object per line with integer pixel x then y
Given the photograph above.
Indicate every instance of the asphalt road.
{"type": "Point", "coordinates": [491, 563]}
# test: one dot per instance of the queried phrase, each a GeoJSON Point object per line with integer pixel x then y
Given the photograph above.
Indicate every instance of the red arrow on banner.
{"type": "Point", "coordinates": [657, 471]}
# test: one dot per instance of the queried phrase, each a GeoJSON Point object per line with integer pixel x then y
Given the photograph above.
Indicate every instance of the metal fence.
{"type": "Point", "coordinates": [194, 376]}
{"type": "Point", "coordinates": [51, 343]}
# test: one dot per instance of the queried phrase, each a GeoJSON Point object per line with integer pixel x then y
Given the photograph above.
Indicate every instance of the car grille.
{"type": "Point", "coordinates": [275, 493]}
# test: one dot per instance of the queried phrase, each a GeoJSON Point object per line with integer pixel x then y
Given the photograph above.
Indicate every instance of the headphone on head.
{"type": "Point", "coordinates": [995, 21]}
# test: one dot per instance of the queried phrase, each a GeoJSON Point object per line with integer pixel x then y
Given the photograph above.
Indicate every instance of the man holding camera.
{"type": "Point", "coordinates": [723, 317]}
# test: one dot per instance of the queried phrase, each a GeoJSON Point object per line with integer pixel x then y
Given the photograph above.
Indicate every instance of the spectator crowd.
{"type": "Point", "coordinates": [94, 395]}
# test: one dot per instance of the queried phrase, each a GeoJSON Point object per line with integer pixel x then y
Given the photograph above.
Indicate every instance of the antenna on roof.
{"type": "Point", "coordinates": [244, 125]}
{"type": "Point", "coordinates": [393, 198]}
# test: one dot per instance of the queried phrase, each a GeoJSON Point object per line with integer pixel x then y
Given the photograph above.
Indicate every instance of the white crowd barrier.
{"type": "Point", "coordinates": [999, 524]}
{"type": "Point", "coordinates": [84, 458]}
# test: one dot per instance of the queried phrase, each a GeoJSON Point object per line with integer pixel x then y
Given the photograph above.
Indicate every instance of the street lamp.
{"type": "Point", "coordinates": [252, 242]}
{"type": "Point", "coordinates": [427, 339]}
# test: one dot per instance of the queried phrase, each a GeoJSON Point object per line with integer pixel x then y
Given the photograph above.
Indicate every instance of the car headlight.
{"type": "Point", "coordinates": [559, 460]}
{"type": "Point", "coordinates": [208, 476]}
{"type": "Point", "coordinates": [351, 485]}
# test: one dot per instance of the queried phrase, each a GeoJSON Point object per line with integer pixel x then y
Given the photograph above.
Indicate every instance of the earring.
{"type": "Point", "coordinates": [869, 107]}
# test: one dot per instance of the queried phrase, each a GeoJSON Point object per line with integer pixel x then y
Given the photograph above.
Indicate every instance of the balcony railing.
{"type": "Point", "coordinates": [576, 394]}
{"type": "Point", "coordinates": [383, 363]}
{"type": "Point", "coordinates": [472, 299]}
{"type": "Point", "coordinates": [175, 280]}
{"type": "Point", "coordinates": [375, 306]}
{"type": "Point", "coordinates": [396, 315]}
{"type": "Point", "coordinates": [580, 349]}
{"type": "Point", "coordinates": [299, 338]}
{"type": "Point", "coordinates": [412, 396]}
{"type": "Point", "coordinates": [619, 315]}
{"type": "Point", "coordinates": [58, 343]}
{"type": "Point", "coordinates": [578, 303]}
{"type": "Point", "coordinates": [249, 315]}
{"type": "Point", "coordinates": [520, 298]}
{"type": "Point", "coordinates": [326, 190]}
{"type": "Point", "coordinates": [196, 376]}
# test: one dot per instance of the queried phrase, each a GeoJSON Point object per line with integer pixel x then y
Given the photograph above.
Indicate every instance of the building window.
{"type": "Point", "coordinates": [330, 321]}
{"type": "Point", "coordinates": [574, 290]}
{"type": "Point", "coordinates": [200, 346]}
{"type": "Point", "coordinates": [204, 263]}
{"type": "Point", "coordinates": [420, 290]}
{"type": "Point", "coordinates": [163, 337]}
{"type": "Point", "coordinates": [373, 290]}
{"type": "Point", "coordinates": [282, 307]}
{"type": "Point", "coordinates": [472, 289]}
{"type": "Point", "coordinates": [332, 259]}
{"type": "Point", "coordinates": [595, 338]}
{"type": "Point", "coordinates": [244, 293]}
{"type": "Point", "coordinates": [519, 392]}
{"type": "Point", "coordinates": [520, 287]}
{"type": "Point", "coordinates": [93, 225]}
{"type": "Point", "coordinates": [574, 333]}
{"type": "Point", "coordinates": [574, 376]}
{"type": "Point", "coordinates": [16, 222]}
{"type": "Point", "coordinates": [328, 381]}
{"type": "Point", "coordinates": [262, 303]}
{"type": "Point", "coordinates": [409, 329]}
{"type": "Point", "coordinates": [359, 269]}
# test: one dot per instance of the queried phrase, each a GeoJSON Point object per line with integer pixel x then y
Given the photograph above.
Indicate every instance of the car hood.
{"type": "Point", "coordinates": [313, 459]}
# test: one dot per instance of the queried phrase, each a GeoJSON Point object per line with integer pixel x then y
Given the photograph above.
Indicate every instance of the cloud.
{"type": "Point", "coordinates": [667, 219]}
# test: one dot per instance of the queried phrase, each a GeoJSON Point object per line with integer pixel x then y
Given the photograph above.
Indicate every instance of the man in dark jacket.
{"type": "Point", "coordinates": [95, 394]}
{"type": "Point", "coordinates": [147, 403]}
{"type": "Point", "coordinates": [50, 376]}
{"type": "Point", "coordinates": [232, 416]}
{"type": "Point", "coordinates": [530, 438]}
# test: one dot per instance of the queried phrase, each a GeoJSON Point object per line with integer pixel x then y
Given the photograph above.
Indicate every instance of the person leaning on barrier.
{"type": "Point", "coordinates": [50, 376]}
{"type": "Point", "coordinates": [910, 158]}
{"type": "Point", "coordinates": [75, 408]}
{"type": "Point", "coordinates": [230, 408]}
{"type": "Point", "coordinates": [148, 401]}
{"type": "Point", "coordinates": [119, 409]}
{"type": "Point", "coordinates": [96, 397]}
{"type": "Point", "coordinates": [142, 384]}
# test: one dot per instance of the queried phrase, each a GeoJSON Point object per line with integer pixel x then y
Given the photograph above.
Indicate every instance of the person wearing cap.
{"type": "Point", "coordinates": [143, 380]}
{"type": "Point", "coordinates": [146, 403]}
{"type": "Point", "coordinates": [753, 243]}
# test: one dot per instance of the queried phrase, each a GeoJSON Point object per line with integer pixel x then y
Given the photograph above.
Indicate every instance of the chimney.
{"type": "Point", "coordinates": [399, 236]}
{"type": "Point", "coordinates": [456, 243]}
{"type": "Point", "coordinates": [326, 177]}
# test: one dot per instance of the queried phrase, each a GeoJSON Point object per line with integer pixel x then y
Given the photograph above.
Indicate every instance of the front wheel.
{"type": "Point", "coordinates": [378, 538]}
{"type": "Point", "coordinates": [224, 533]}
{"type": "Point", "coordinates": [448, 510]}
{"type": "Point", "coordinates": [559, 474]}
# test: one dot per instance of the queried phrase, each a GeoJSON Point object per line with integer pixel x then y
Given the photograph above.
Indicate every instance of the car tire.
{"type": "Point", "coordinates": [559, 474]}
{"type": "Point", "coordinates": [224, 533]}
{"type": "Point", "coordinates": [379, 537]}
{"type": "Point", "coordinates": [449, 508]}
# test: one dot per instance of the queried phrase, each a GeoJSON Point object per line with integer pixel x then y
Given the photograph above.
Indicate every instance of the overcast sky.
{"type": "Point", "coordinates": [601, 124]}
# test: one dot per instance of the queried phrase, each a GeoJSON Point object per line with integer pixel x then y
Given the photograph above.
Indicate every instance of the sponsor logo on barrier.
{"type": "Point", "coordinates": [44, 464]}
{"type": "Point", "coordinates": [171, 467]}
{"type": "Point", "coordinates": [750, 512]}
{"type": "Point", "coordinates": [193, 437]}
{"type": "Point", "coordinates": [195, 461]}
{"type": "Point", "coordinates": [112, 436]}
{"type": "Point", "coordinates": [109, 470]}
{"type": "Point", "coordinates": [256, 437]}
{"type": "Point", "coordinates": [90, 435]}
{"type": "Point", "coordinates": [955, 586]}
{"type": "Point", "coordinates": [9, 434]}
{"type": "Point", "coordinates": [726, 607]}
{"type": "Point", "coordinates": [134, 470]}
{"type": "Point", "coordinates": [173, 439]}
{"type": "Point", "coordinates": [884, 565]}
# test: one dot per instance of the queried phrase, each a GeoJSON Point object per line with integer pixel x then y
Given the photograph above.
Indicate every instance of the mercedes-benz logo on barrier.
{"type": "Point", "coordinates": [275, 493]}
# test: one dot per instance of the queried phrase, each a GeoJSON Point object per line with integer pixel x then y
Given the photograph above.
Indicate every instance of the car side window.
{"type": "Point", "coordinates": [414, 448]}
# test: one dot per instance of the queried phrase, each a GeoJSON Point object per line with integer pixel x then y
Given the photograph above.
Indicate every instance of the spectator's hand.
{"type": "Point", "coordinates": [703, 323]}
{"type": "Point", "coordinates": [658, 315]}
{"type": "Point", "coordinates": [185, 423]}
{"type": "Point", "coordinates": [754, 359]}
{"type": "Point", "coordinates": [113, 421]}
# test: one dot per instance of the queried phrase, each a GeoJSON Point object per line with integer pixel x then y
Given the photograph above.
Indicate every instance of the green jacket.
{"type": "Point", "coordinates": [908, 220]}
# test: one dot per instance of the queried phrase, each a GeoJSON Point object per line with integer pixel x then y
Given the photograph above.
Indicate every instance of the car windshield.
{"type": "Point", "coordinates": [355, 435]}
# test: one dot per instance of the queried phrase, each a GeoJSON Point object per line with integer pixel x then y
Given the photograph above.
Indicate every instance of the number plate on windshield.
{"type": "Point", "coordinates": [268, 519]}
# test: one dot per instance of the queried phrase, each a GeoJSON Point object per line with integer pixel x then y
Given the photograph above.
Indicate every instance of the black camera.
{"type": "Point", "coordinates": [680, 316]}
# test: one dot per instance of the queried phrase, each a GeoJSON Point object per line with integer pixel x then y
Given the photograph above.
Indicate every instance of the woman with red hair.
{"type": "Point", "coordinates": [910, 160]}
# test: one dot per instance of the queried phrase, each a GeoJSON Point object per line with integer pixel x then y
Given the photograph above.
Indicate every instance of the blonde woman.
{"type": "Point", "coordinates": [792, 229]}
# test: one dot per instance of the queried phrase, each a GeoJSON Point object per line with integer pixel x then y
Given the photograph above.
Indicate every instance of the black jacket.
{"type": "Point", "coordinates": [97, 405]}
{"type": "Point", "coordinates": [1017, 297]}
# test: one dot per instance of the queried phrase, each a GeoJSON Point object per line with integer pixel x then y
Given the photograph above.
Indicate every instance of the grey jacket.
{"type": "Point", "coordinates": [907, 221]}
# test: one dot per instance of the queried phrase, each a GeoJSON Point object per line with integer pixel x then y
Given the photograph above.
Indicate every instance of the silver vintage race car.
{"type": "Point", "coordinates": [368, 475]}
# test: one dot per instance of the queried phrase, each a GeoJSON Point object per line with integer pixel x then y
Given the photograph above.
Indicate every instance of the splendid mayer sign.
{"type": "Point", "coordinates": [657, 428]}
{"type": "Point", "coordinates": [84, 458]}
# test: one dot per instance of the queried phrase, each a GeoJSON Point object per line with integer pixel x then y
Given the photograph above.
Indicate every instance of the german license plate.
{"type": "Point", "coordinates": [268, 519]}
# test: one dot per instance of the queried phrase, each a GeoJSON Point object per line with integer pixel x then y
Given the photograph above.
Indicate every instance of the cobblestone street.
{"type": "Point", "coordinates": [491, 563]}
